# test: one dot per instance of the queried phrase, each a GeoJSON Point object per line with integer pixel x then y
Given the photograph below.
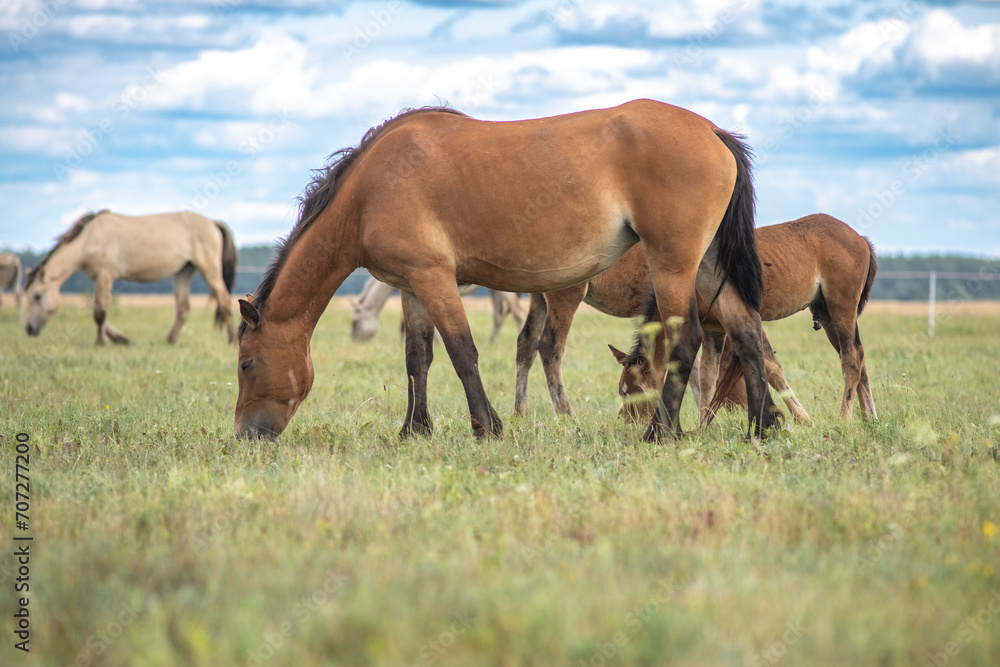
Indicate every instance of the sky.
{"type": "Point", "coordinates": [883, 114]}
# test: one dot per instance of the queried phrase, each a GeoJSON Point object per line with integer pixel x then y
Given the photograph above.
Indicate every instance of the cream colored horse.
{"type": "Point", "coordinates": [374, 295]}
{"type": "Point", "coordinates": [108, 246]}
{"type": "Point", "coordinates": [10, 275]}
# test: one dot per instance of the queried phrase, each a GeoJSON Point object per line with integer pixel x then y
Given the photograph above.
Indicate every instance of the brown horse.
{"type": "Point", "coordinates": [108, 246]}
{"type": "Point", "coordinates": [10, 276]}
{"type": "Point", "coordinates": [622, 291]}
{"type": "Point", "coordinates": [433, 198]}
{"type": "Point", "coordinates": [816, 262]}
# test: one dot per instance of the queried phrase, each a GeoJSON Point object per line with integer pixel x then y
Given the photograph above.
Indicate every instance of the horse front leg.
{"type": "Point", "coordinates": [527, 348]}
{"type": "Point", "coordinates": [438, 293]}
{"type": "Point", "coordinates": [102, 301]}
{"type": "Point", "coordinates": [776, 378]}
{"type": "Point", "coordinates": [419, 342]}
{"type": "Point", "coordinates": [711, 353]}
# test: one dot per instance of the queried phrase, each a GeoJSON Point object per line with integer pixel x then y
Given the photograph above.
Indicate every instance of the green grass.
{"type": "Point", "coordinates": [160, 540]}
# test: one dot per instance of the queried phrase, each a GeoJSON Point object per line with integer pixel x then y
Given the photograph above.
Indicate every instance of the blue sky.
{"type": "Point", "coordinates": [884, 114]}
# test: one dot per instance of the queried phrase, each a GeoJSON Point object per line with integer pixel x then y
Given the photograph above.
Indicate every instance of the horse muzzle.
{"type": "Point", "coordinates": [32, 329]}
{"type": "Point", "coordinates": [256, 429]}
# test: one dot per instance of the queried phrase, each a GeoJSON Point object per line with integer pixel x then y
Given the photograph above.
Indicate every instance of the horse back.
{"type": "Point", "coordinates": [150, 247]}
{"type": "Point", "coordinates": [477, 194]}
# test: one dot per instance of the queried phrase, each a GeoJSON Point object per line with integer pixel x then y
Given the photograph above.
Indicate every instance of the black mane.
{"type": "Point", "coordinates": [319, 194]}
{"type": "Point", "coordinates": [67, 236]}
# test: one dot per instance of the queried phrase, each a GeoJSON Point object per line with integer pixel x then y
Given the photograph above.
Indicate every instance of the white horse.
{"type": "Point", "coordinates": [10, 275]}
{"type": "Point", "coordinates": [108, 246]}
{"type": "Point", "coordinates": [374, 295]}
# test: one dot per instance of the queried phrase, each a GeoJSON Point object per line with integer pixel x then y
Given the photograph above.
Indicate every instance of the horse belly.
{"type": "Point", "coordinates": [568, 258]}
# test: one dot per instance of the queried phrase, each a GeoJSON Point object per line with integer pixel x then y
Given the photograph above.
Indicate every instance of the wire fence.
{"type": "Point", "coordinates": [931, 277]}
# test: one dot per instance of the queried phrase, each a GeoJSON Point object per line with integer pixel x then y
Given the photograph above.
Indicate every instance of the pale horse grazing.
{"type": "Point", "coordinates": [108, 246]}
{"type": "Point", "coordinates": [10, 275]}
{"type": "Point", "coordinates": [374, 295]}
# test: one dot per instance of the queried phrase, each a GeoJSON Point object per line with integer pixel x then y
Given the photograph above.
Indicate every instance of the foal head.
{"type": "Point", "coordinates": [637, 386]}
{"type": "Point", "coordinates": [275, 373]}
{"type": "Point", "coordinates": [41, 301]}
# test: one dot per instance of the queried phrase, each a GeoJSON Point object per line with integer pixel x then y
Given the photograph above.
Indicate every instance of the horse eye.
{"type": "Point", "coordinates": [246, 364]}
{"type": "Point", "coordinates": [38, 297]}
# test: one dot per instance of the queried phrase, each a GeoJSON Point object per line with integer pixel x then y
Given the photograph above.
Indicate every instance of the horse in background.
{"type": "Point", "coordinates": [815, 262]}
{"type": "Point", "coordinates": [108, 246]}
{"type": "Point", "coordinates": [10, 276]}
{"type": "Point", "coordinates": [433, 198]}
{"type": "Point", "coordinates": [365, 310]}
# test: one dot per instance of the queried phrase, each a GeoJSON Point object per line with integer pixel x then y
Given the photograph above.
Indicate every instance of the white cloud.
{"type": "Point", "coordinates": [272, 74]}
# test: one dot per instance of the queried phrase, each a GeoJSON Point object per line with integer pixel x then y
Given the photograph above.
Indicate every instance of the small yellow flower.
{"type": "Point", "coordinates": [107, 407]}
{"type": "Point", "coordinates": [988, 571]}
{"type": "Point", "coordinates": [989, 529]}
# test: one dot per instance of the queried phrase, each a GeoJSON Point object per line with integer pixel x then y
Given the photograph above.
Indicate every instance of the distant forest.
{"type": "Point", "coordinates": [981, 279]}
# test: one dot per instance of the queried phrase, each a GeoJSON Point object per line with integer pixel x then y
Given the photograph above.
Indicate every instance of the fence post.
{"type": "Point", "coordinates": [930, 304]}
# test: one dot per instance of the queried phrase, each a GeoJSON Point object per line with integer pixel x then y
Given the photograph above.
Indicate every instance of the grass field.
{"type": "Point", "coordinates": [160, 540]}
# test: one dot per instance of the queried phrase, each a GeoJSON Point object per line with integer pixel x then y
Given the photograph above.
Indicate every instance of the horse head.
{"type": "Point", "coordinates": [275, 372]}
{"type": "Point", "coordinates": [637, 387]}
{"type": "Point", "coordinates": [41, 302]}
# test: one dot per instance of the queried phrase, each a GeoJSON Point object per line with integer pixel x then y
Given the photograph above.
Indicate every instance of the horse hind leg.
{"type": "Point", "coordinates": [102, 301]}
{"type": "Point", "coordinates": [562, 307]}
{"type": "Point", "coordinates": [182, 300]}
{"type": "Point", "coordinates": [743, 326]}
{"type": "Point", "coordinates": [223, 300]}
{"type": "Point", "coordinates": [438, 293]}
{"type": "Point", "coordinates": [840, 329]}
{"type": "Point", "coordinates": [419, 344]}
{"type": "Point", "coordinates": [527, 348]}
{"type": "Point", "coordinates": [675, 297]}
{"type": "Point", "coordinates": [865, 398]}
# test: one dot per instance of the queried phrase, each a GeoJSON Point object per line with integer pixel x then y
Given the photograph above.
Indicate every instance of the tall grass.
{"type": "Point", "coordinates": [161, 540]}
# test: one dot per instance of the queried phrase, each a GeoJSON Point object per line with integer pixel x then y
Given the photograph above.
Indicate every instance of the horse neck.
{"type": "Point", "coordinates": [65, 260]}
{"type": "Point", "coordinates": [318, 263]}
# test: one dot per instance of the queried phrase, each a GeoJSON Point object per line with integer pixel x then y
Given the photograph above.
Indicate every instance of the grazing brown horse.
{"type": "Point", "coordinates": [815, 262]}
{"type": "Point", "coordinates": [108, 246]}
{"type": "Point", "coordinates": [433, 198]}
{"type": "Point", "coordinates": [622, 291]}
{"type": "Point", "coordinates": [10, 275]}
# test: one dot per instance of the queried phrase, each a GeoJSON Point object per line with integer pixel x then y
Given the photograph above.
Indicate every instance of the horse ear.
{"type": "Point", "coordinates": [619, 355]}
{"type": "Point", "coordinates": [250, 298]}
{"type": "Point", "coordinates": [249, 313]}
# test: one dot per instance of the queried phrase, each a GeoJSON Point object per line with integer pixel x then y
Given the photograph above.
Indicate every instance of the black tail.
{"type": "Point", "coordinates": [229, 256]}
{"type": "Point", "coordinates": [736, 240]}
{"type": "Point", "coordinates": [870, 280]}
